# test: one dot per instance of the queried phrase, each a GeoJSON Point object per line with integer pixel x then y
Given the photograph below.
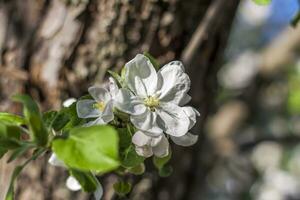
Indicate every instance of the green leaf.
{"type": "Point", "coordinates": [9, 131]}
{"type": "Point", "coordinates": [11, 119]}
{"type": "Point", "coordinates": [74, 120]}
{"type": "Point", "coordinates": [159, 163]}
{"type": "Point", "coordinates": [122, 188]}
{"type": "Point", "coordinates": [3, 151]}
{"type": "Point", "coordinates": [262, 2]}
{"type": "Point", "coordinates": [137, 170]}
{"type": "Point", "coordinates": [34, 119]}
{"type": "Point", "coordinates": [117, 77]}
{"type": "Point", "coordinates": [130, 158]}
{"type": "Point", "coordinates": [49, 117]}
{"type": "Point", "coordinates": [152, 60]}
{"type": "Point", "coordinates": [19, 152]}
{"type": "Point", "coordinates": [92, 148]}
{"type": "Point", "coordinates": [125, 138]}
{"type": "Point", "coordinates": [87, 180]}
{"type": "Point", "coordinates": [9, 143]}
{"type": "Point", "coordinates": [165, 171]}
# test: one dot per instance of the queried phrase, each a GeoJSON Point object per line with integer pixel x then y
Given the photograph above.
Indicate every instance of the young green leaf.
{"type": "Point", "coordinates": [152, 60]}
{"type": "Point", "coordinates": [122, 188]}
{"type": "Point", "coordinates": [262, 2]}
{"type": "Point", "coordinates": [19, 152]}
{"type": "Point", "coordinates": [34, 119]}
{"type": "Point", "coordinates": [3, 151]}
{"type": "Point", "coordinates": [130, 158]}
{"type": "Point", "coordinates": [137, 170]}
{"type": "Point", "coordinates": [49, 117]}
{"type": "Point", "coordinates": [92, 148]}
{"type": "Point", "coordinates": [117, 77]}
{"type": "Point", "coordinates": [165, 171]}
{"type": "Point", "coordinates": [11, 119]}
{"type": "Point", "coordinates": [159, 163]}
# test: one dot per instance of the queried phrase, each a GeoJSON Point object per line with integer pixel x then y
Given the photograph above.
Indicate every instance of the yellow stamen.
{"type": "Point", "coordinates": [100, 105]}
{"type": "Point", "coordinates": [151, 102]}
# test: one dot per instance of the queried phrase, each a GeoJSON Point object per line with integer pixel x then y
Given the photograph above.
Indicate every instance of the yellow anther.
{"type": "Point", "coordinates": [100, 105]}
{"type": "Point", "coordinates": [151, 102]}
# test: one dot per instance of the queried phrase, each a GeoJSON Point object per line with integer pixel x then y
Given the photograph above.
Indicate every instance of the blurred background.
{"type": "Point", "coordinates": [244, 63]}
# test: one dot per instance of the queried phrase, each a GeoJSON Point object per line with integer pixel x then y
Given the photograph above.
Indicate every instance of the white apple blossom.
{"type": "Point", "coordinates": [101, 106]}
{"type": "Point", "coordinates": [154, 101]}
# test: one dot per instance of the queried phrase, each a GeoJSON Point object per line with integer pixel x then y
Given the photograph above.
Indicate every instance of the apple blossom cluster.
{"type": "Point", "coordinates": [155, 102]}
{"type": "Point", "coordinates": [112, 129]}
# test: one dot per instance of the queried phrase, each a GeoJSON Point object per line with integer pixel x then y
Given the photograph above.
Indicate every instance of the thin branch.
{"type": "Point", "coordinates": [202, 30]}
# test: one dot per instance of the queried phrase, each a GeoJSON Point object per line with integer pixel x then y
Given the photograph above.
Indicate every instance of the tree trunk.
{"type": "Point", "coordinates": [55, 49]}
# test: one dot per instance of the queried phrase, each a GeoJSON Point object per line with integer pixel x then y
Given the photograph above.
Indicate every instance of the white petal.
{"type": "Point", "coordinates": [160, 146]}
{"type": "Point", "coordinates": [141, 76]}
{"type": "Point", "coordinates": [108, 114]}
{"type": "Point", "coordinates": [173, 119]}
{"type": "Point", "coordinates": [99, 94]}
{"type": "Point", "coordinates": [113, 87]}
{"type": "Point", "coordinates": [85, 109]}
{"type": "Point", "coordinates": [53, 160]}
{"type": "Point", "coordinates": [73, 184]}
{"type": "Point", "coordinates": [173, 83]}
{"type": "Point", "coordinates": [186, 140]}
{"type": "Point", "coordinates": [192, 114]}
{"type": "Point", "coordinates": [69, 102]}
{"type": "Point", "coordinates": [144, 151]}
{"type": "Point", "coordinates": [185, 100]}
{"type": "Point", "coordinates": [140, 139]}
{"type": "Point", "coordinates": [128, 103]}
{"type": "Point", "coordinates": [98, 121]}
{"type": "Point", "coordinates": [147, 122]}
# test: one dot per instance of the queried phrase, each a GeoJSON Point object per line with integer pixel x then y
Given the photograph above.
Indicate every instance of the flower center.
{"type": "Point", "coordinates": [151, 102]}
{"type": "Point", "coordinates": [100, 106]}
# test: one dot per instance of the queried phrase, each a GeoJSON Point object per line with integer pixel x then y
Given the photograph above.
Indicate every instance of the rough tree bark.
{"type": "Point", "coordinates": [53, 50]}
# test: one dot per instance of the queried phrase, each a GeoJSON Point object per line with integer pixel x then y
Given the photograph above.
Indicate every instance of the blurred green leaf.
{"type": "Point", "coordinates": [262, 2]}
{"type": "Point", "coordinates": [117, 77]}
{"type": "Point", "coordinates": [11, 119]}
{"type": "Point", "coordinates": [122, 188]}
{"type": "Point", "coordinates": [19, 152]}
{"type": "Point", "coordinates": [137, 170]}
{"type": "Point", "coordinates": [165, 171]}
{"type": "Point", "coordinates": [89, 148]}
{"type": "Point", "coordinates": [130, 158]}
{"type": "Point", "coordinates": [34, 119]}
{"type": "Point", "coordinates": [159, 163]}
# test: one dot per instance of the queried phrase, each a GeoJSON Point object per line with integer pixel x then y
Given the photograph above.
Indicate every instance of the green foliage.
{"type": "Point", "coordinates": [87, 180]}
{"type": "Point", "coordinates": [165, 171]}
{"type": "Point", "coordinates": [117, 77]}
{"type": "Point", "coordinates": [33, 119]}
{"type": "Point", "coordinates": [122, 188]}
{"type": "Point", "coordinates": [11, 119]}
{"type": "Point", "coordinates": [89, 148]}
{"type": "Point", "coordinates": [161, 162]}
{"type": "Point", "coordinates": [137, 170]}
{"type": "Point", "coordinates": [262, 2]}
